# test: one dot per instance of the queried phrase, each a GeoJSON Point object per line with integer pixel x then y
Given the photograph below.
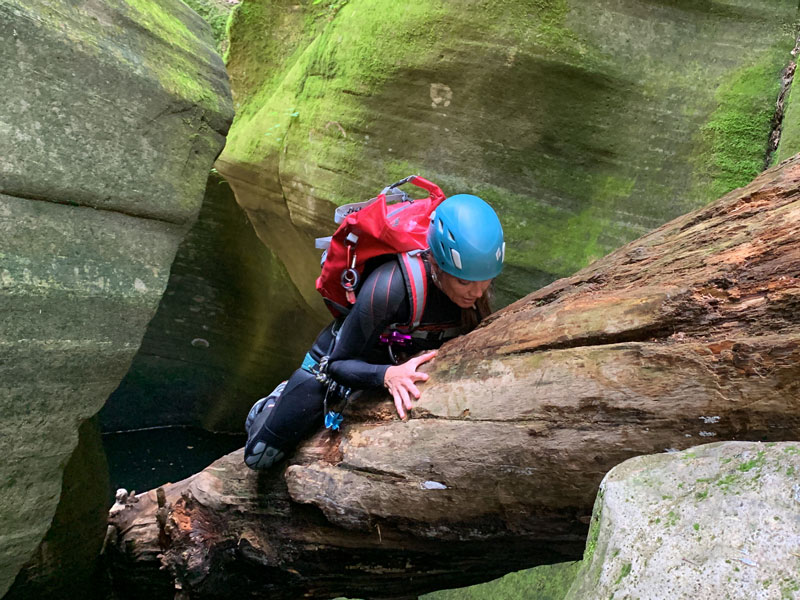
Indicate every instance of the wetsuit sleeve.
{"type": "Point", "coordinates": [381, 301]}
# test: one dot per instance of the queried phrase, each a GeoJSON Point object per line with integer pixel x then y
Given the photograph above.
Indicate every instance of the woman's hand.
{"type": "Point", "coordinates": [401, 380]}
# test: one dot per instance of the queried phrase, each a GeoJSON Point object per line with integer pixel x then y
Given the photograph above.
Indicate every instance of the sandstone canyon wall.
{"type": "Point", "coordinates": [111, 116]}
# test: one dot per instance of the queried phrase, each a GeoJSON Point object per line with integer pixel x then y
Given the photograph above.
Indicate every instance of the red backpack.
{"type": "Point", "coordinates": [392, 223]}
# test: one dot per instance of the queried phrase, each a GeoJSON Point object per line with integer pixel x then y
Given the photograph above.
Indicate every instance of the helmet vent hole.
{"type": "Point", "coordinates": [441, 226]}
{"type": "Point", "coordinates": [450, 235]}
{"type": "Point", "coordinates": [441, 245]}
{"type": "Point", "coordinates": [456, 258]}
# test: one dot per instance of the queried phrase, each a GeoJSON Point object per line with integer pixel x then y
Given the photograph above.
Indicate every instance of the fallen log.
{"type": "Point", "coordinates": [688, 335]}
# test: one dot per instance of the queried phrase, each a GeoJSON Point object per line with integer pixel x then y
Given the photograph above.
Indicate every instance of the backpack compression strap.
{"type": "Point", "coordinates": [416, 284]}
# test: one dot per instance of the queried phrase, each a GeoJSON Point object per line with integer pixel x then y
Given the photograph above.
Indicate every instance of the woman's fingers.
{"type": "Point", "coordinates": [401, 389]}
{"type": "Point", "coordinates": [402, 392]}
{"type": "Point", "coordinates": [422, 358]}
{"type": "Point", "coordinates": [417, 376]}
{"type": "Point", "coordinates": [398, 405]}
{"type": "Point", "coordinates": [401, 382]}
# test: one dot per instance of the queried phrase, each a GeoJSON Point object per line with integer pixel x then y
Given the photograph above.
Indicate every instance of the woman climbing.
{"type": "Point", "coordinates": [466, 252]}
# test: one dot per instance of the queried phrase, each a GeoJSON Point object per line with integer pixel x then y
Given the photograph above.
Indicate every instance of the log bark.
{"type": "Point", "coordinates": [688, 335]}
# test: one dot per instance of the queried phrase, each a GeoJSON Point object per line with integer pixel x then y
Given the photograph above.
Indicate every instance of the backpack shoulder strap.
{"type": "Point", "coordinates": [416, 279]}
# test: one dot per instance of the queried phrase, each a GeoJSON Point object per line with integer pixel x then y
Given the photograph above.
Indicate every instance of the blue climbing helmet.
{"type": "Point", "coordinates": [466, 238]}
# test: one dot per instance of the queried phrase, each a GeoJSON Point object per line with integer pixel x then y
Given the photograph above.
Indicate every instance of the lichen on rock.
{"type": "Point", "coordinates": [721, 518]}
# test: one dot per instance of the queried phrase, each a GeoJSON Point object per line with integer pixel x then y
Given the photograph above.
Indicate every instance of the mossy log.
{"type": "Point", "coordinates": [688, 335]}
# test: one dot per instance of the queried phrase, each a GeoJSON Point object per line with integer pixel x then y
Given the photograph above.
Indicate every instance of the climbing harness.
{"type": "Point", "coordinates": [319, 369]}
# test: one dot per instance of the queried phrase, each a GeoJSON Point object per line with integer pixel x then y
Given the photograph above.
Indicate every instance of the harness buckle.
{"type": "Point", "coordinates": [394, 337]}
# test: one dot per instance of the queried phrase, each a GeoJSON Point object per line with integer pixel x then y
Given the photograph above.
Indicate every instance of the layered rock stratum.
{"type": "Point", "coordinates": [111, 116]}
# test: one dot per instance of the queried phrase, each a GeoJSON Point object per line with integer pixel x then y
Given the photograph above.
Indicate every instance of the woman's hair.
{"type": "Point", "coordinates": [470, 317]}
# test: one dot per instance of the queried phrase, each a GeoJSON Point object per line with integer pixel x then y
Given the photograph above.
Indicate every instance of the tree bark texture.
{"type": "Point", "coordinates": [688, 335]}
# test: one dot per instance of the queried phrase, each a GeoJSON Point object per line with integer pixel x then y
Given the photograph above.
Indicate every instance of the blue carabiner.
{"type": "Point", "coordinates": [333, 420]}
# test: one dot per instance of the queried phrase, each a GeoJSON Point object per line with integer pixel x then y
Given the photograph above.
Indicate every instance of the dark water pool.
{"type": "Point", "coordinates": [144, 459]}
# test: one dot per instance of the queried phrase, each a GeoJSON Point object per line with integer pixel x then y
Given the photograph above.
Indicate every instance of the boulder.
{"type": "Point", "coordinates": [714, 521]}
{"type": "Point", "coordinates": [586, 124]}
{"type": "Point", "coordinates": [111, 116]}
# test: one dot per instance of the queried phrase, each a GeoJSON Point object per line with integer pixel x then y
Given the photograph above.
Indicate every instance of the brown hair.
{"type": "Point", "coordinates": [470, 317]}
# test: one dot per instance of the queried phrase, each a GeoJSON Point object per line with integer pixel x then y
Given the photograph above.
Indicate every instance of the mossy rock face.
{"type": "Point", "coordinates": [586, 124]}
{"type": "Point", "coordinates": [721, 518]}
{"type": "Point", "coordinates": [114, 105]}
{"type": "Point", "coordinates": [111, 116]}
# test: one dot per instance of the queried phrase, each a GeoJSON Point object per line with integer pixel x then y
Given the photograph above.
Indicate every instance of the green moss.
{"type": "Point", "coordinates": [548, 582]}
{"type": "Point", "coordinates": [594, 529]}
{"type": "Point", "coordinates": [734, 140]}
{"type": "Point", "coordinates": [544, 240]}
{"type": "Point", "coordinates": [754, 463]}
{"type": "Point", "coordinates": [176, 71]}
{"type": "Point", "coordinates": [624, 572]}
{"type": "Point", "coordinates": [789, 144]}
{"type": "Point", "coordinates": [162, 23]}
{"type": "Point", "coordinates": [672, 518]}
{"type": "Point", "coordinates": [789, 588]}
{"type": "Point", "coordinates": [184, 85]}
{"type": "Point", "coordinates": [726, 481]}
{"type": "Point", "coordinates": [327, 63]}
{"type": "Point", "coordinates": [696, 526]}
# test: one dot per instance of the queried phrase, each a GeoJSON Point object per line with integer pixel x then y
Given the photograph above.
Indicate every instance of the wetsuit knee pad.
{"type": "Point", "coordinates": [262, 449]}
{"type": "Point", "coordinates": [261, 404]}
{"type": "Point", "coordinates": [279, 424]}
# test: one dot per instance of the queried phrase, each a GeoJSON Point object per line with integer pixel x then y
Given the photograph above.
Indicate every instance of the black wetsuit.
{"type": "Point", "coordinates": [357, 360]}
